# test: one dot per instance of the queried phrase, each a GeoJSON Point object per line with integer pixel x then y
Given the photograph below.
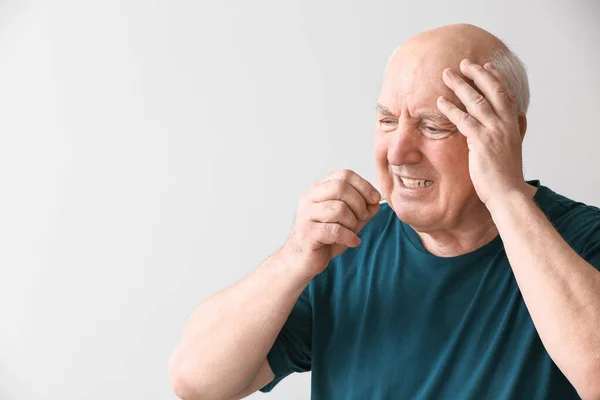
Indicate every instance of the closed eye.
{"type": "Point", "coordinates": [433, 132]}
{"type": "Point", "coordinates": [388, 124]}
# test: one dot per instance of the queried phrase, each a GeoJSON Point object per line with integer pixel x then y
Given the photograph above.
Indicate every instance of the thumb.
{"type": "Point", "coordinates": [373, 209]}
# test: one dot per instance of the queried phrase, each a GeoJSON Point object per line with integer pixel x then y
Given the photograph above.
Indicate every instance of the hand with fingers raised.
{"type": "Point", "coordinates": [493, 126]}
{"type": "Point", "coordinates": [329, 217]}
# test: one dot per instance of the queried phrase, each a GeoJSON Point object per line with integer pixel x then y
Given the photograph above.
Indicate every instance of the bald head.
{"type": "Point", "coordinates": [415, 141]}
{"type": "Point", "coordinates": [423, 57]}
{"type": "Point", "coordinates": [460, 41]}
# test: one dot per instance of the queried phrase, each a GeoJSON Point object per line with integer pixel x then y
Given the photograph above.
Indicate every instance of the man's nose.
{"type": "Point", "coordinates": [405, 144]}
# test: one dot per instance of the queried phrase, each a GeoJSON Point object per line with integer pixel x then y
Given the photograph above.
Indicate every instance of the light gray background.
{"type": "Point", "coordinates": [153, 152]}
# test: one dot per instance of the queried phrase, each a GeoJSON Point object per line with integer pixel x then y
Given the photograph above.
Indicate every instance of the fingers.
{"type": "Point", "coordinates": [335, 209]}
{"type": "Point", "coordinates": [362, 186]}
{"type": "Point", "coordinates": [483, 110]}
{"type": "Point", "coordinates": [348, 187]}
{"type": "Point", "coordinates": [504, 94]}
{"type": "Point", "coordinates": [491, 68]}
{"type": "Point", "coordinates": [373, 209]}
{"type": "Point", "coordinates": [492, 84]}
{"type": "Point", "coordinates": [330, 233]}
{"type": "Point", "coordinates": [339, 228]}
{"type": "Point", "coordinates": [342, 191]}
{"type": "Point", "coordinates": [466, 124]}
{"type": "Point", "coordinates": [476, 104]}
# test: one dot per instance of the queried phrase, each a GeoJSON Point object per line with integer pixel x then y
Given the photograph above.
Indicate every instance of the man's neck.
{"type": "Point", "coordinates": [459, 242]}
{"type": "Point", "coordinates": [467, 236]}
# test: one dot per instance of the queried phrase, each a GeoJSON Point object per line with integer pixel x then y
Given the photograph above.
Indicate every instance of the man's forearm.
{"type": "Point", "coordinates": [560, 289]}
{"type": "Point", "coordinates": [228, 336]}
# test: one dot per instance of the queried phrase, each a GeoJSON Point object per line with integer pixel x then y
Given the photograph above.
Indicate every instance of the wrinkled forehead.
{"type": "Point", "coordinates": [413, 86]}
{"type": "Point", "coordinates": [413, 77]}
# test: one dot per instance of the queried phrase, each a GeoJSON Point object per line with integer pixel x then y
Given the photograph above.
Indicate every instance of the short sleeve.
{"type": "Point", "coordinates": [291, 351]}
{"type": "Point", "coordinates": [591, 250]}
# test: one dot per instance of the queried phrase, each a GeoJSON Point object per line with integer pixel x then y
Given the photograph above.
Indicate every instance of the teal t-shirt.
{"type": "Point", "coordinates": [389, 320]}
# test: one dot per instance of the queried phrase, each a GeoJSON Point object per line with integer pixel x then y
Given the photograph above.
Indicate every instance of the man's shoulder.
{"type": "Point", "coordinates": [576, 221]}
{"type": "Point", "coordinates": [558, 206]}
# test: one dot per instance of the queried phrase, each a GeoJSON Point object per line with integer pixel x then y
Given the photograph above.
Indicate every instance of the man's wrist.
{"type": "Point", "coordinates": [509, 202]}
{"type": "Point", "coordinates": [293, 267]}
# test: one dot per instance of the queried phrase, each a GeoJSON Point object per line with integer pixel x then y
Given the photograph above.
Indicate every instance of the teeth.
{"type": "Point", "coordinates": [416, 183]}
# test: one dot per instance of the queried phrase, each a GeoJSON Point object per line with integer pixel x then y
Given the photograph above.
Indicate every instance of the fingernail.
{"type": "Point", "coordinates": [441, 100]}
{"type": "Point", "coordinates": [450, 73]}
{"type": "Point", "coordinates": [490, 66]}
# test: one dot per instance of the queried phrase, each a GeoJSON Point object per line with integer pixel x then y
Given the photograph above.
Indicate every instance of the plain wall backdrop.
{"type": "Point", "coordinates": [153, 152]}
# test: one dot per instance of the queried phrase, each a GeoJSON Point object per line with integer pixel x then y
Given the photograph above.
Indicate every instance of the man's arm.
{"type": "Point", "coordinates": [561, 290]}
{"type": "Point", "coordinates": [228, 336]}
{"type": "Point", "coordinates": [264, 376]}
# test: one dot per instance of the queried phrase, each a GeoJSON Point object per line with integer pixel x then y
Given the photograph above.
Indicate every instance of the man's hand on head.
{"type": "Point", "coordinates": [491, 126]}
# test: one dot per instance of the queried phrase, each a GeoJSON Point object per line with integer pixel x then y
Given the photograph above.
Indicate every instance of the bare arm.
{"type": "Point", "coordinates": [223, 349]}
{"type": "Point", "coordinates": [228, 336]}
{"type": "Point", "coordinates": [561, 290]}
{"type": "Point", "coordinates": [264, 376]}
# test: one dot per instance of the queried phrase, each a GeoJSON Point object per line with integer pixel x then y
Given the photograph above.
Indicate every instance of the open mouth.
{"type": "Point", "coordinates": [413, 183]}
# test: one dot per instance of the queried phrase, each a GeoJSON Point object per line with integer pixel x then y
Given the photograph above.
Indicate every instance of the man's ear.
{"type": "Point", "coordinates": [522, 124]}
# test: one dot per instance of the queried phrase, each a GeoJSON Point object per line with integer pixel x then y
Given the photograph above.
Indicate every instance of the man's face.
{"type": "Point", "coordinates": [421, 158]}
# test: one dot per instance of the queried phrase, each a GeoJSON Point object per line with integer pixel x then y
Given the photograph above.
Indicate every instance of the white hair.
{"type": "Point", "coordinates": [514, 72]}
{"type": "Point", "coordinates": [512, 69]}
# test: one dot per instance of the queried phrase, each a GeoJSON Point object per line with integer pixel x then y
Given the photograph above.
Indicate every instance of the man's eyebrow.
{"type": "Point", "coordinates": [383, 110]}
{"type": "Point", "coordinates": [436, 117]}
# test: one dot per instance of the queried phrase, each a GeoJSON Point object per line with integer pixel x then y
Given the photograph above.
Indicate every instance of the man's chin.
{"type": "Point", "coordinates": [418, 217]}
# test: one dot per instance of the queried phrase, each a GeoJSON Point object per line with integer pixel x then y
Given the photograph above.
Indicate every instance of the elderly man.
{"type": "Point", "coordinates": [468, 283]}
